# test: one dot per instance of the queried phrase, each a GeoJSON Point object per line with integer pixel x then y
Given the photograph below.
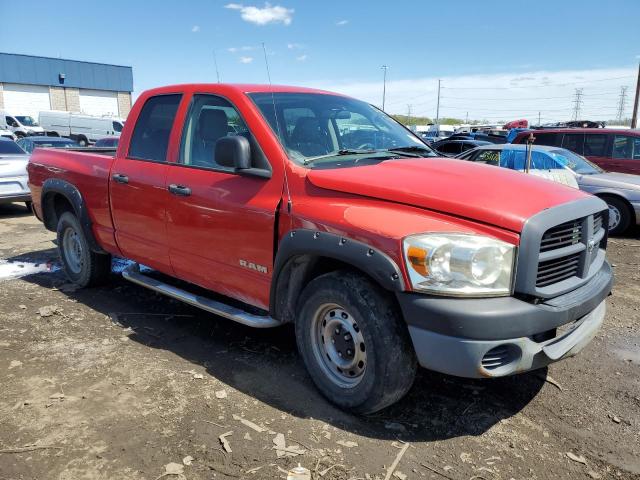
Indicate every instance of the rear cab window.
{"type": "Point", "coordinates": [150, 138]}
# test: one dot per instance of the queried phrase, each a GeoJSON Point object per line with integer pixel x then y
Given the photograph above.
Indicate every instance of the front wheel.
{"type": "Point", "coordinates": [619, 215]}
{"type": "Point", "coordinates": [354, 342]}
{"type": "Point", "coordinates": [83, 142]}
{"type": "Point", "coordinates": [83, 266]}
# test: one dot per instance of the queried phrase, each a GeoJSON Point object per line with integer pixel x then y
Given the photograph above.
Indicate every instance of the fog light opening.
{"type": "Point", "coordinates": [502, 359]}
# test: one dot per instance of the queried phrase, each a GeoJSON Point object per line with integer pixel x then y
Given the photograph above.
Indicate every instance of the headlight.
{"type": "Point", "coordinates": [459, 264]}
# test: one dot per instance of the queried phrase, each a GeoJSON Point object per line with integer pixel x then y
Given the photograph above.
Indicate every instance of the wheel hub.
{"type": "Point", "coordinates": [614, 217]}
{"type": "Point", "coordinates": [339, 345]}
{"type": "Point", "coordinates": [72, 248]}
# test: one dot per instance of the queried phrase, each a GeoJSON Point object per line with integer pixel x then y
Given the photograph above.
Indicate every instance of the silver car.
{"type": "Point", "coordinates": [621, 191]}
{"type": "Point", "coordinates": [13, 173]}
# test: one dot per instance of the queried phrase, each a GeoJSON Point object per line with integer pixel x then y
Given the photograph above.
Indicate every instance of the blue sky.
{"type": "Point", "coordinates": [527, 52]}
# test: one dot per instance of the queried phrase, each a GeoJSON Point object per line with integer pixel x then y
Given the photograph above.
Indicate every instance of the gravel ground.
{"type": "Point", "coordinates": [120, 383]}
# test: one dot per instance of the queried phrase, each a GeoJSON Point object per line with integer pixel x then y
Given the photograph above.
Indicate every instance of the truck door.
{"type": "Point", "coordinates": [221, 224]}
{"type": "Point", "coordinates": [137, 186]}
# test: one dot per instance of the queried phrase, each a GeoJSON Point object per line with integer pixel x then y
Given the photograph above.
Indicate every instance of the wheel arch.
{"type": "Point", "coordinates": [306, 254]}
{"type": "Point", "coordinates": [607, 194]}
{"type": "Point", "coordinates": [59, 196]}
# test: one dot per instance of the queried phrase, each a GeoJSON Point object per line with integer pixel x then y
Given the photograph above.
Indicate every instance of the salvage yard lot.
{"type": "Point", "coordinates": [117, 382]}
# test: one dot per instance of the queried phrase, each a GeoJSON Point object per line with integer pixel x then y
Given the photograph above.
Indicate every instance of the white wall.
{"type": "Point", "coordinates": [26, 99]}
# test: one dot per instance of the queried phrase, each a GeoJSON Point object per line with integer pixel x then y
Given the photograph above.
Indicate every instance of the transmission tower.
{"type": "Point", "coordinates": [622, 103]}
{"type": "Point", "coordinates": [577, 103]}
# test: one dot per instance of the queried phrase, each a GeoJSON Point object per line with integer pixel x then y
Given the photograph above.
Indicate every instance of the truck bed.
{"type": "Point", "coordinates": [88, 170]}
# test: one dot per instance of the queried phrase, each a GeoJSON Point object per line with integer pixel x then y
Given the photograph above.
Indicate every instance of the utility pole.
{"type": "Point", "coordinates": [384, 84]}
{"type": "Point", "coordinates": [409, 116]}
{"type": "Point", "coordinates": [538, 118]}
{"type": "Point", "coordinates": [634, 118]}
{"type": "Point", "coordinates": [577, 103]}
{"type": "Point", "coordinates": [438, 105]}
{"type": "Point", "coordinates": [466, 118]}
{"type": "Point", "coordinates": [215, 62]}
{"type": "Point", "coordinates": [622, 103]}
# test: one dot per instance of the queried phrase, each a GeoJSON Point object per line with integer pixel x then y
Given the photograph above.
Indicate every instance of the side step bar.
{"type": "Point", "coordinates": [132, 273]}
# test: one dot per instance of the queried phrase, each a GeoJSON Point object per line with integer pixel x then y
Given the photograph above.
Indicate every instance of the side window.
{"type": "Point", "coordinates": [490, 157]}
{"type": "Point", "coordinates": [574, 142]}
{"type": "Point", "coordinates": [544, 139]}
{"type": "Point", "coordinates": [150, 138]}
{"type": "Point", "coordinates": [210, 119]}
{"type": "Point", "coordinates": [595, 145]}
{"type": "Point", "coordinates": [467, 146]}
{"type": "Point", "coordinates": [626, 147]}
{"type": "Point", "coordinates": [117, 127]}
{"type": "Point", "coordinates": [452, 148]}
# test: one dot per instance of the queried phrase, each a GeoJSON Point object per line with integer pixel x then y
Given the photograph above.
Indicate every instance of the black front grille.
{"type": "Point", "coordinates": [597, 221]}
{"type": "Point", "coordinates": [558, 269]}
{"type": "Point", "coordinates": [563, 235]}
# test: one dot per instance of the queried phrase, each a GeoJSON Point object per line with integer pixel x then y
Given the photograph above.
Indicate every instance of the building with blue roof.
{"type": "Point", "coordinates": [31, 84]}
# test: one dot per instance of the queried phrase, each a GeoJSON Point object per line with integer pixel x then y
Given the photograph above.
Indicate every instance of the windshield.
{"type": "Point", "coordinates": [27, 121]}
{"type": "Point", "coordinates": [574, 162]}
{"type": "Point", "coordinates": [11, 148]}
{"type": "Point", "coordinates": [334, 129]}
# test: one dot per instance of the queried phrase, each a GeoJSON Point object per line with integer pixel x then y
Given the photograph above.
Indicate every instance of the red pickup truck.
{"type": "Point", "coordinates": [286, 204]}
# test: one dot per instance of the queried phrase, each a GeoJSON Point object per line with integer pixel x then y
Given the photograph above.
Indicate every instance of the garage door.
{"type": "Point", "coordinates": [26, 99]}
{"type": "Point", "coordinates": [98, 103]}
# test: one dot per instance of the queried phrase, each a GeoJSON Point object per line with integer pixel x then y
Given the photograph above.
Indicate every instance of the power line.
{"type": "Point", "coordinates": [546, 85]}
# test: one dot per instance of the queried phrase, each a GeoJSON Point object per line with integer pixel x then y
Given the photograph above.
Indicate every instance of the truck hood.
{"type": "Point", "coordinates": [13, 165]}
{"type": "Point", "coordinates": [487, 194]}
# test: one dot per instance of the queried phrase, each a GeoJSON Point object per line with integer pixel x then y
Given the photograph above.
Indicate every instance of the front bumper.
{"type": "Point", "coordinates": [494, 337]}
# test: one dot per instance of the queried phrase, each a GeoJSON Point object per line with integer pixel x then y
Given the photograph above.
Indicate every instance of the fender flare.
{"type": "Point", "coordinates": [298, 253]}
{"type": "Point", "coordinates": [71, 193]}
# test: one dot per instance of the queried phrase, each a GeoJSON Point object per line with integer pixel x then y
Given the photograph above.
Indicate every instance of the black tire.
{"type": "Point", "coordinates": [91, 268]}
{"type": "Point", "coordinates": [618, 206]}
{"type": "Point", "coordinates": [82, 141]}
{"type": "Point", "coordinates": [390, 363]}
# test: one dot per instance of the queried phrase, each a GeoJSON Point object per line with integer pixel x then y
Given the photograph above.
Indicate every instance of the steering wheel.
{"type": "Point", "coordinates": [367, 146]}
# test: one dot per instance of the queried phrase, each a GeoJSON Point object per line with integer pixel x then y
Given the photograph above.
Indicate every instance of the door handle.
{"type": "Point", "coordinates": [118, 177]}
{"type": "Point", "coordinates": [179, 190]}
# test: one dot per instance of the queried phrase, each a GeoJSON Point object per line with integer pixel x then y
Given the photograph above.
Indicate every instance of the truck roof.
{"type": "Point", "coordinates": [237, 88]}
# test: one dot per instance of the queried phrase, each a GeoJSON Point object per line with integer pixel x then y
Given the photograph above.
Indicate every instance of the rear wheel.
{"type": "Point", "coordinates": [83, 266]}
{"type": "Point", "coordinates": [82, 141]}
{"type": "Point", "coordinates": [354, 343]}
{"type": "Point", "coordinates": [619, 215]}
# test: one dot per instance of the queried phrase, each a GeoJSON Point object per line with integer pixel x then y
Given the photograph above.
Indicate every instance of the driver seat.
{"type": "Point", "coordinates": [308, 137]}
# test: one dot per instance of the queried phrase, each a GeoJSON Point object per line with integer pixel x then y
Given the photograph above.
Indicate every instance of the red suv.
{"type": "Point", "coordinates": [615, 150]}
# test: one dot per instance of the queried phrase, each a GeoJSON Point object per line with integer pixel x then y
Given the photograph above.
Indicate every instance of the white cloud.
{"type": "Point", "coordinates": [341, 23]}
{"type": "Point", "coordinates": [302, 58]}
{"type": "Point", "coordinates": [246, 59]}
{"type": "Point", "coordinates": [503, 96]}
{"type": "Point", "coordinates": [195, 28]}
{"type": "Point", "coordinates": [245, 48]}
{"type": "Point", "coordinates": [294, 46]}
{"type": "Point", "coordinates": [265, 15]}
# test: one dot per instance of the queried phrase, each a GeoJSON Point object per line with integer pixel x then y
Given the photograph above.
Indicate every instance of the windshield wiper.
{"type": "Point", "coordinates": [410, 149]}
{"type": "Point", "coordinates": [339, 153]}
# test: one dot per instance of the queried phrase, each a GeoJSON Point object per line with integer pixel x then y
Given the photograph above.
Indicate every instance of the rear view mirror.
{"type": "Point", "coordinates": [234, 152]}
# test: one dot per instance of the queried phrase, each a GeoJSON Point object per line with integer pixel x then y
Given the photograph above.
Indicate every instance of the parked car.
{"type": "Point", "coordinates": [614, 150]}
{"type": "Point", "coordinates": [453, 147]}
{"type": "Point", "coordinates": [437, 132]}
{"type": "Point", "coordinates": [621, 191]}
{"type": "Point", "coordinates": [7, 134]}
{"type": "Point", "coordinates": [514, 157]}
{"type": "Point", "coordinates": [111, 142]}
{"type": "Point", "coordinates": [380, 257]}
{"type": "Point", "coordinates": [13, 173]}
{"type": "Point", "coordinates": [20, 125]}
{"type": "Point", "coordinates": [29, 144]}
{"type": "Point", "coordinates": [480, 136]}
{"type": "Point", "coordinates": [84, 129]}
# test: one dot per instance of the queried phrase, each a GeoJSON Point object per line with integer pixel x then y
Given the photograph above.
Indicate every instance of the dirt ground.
{"type": "Point", "coordinates": [118, 382]}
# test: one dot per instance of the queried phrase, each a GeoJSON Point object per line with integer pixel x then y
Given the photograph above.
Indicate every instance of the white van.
{"type": "Point", "coordinates": [20, 125]}
{"type": "Point", "coordinates": [84, 129]}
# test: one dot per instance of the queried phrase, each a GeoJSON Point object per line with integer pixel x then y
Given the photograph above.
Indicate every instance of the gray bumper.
{"type": "Point", "coordinates": [636, 209]}
{"type": "Point", "coordinates": [494, 337]}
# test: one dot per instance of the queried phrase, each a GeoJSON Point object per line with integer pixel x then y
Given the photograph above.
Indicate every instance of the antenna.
{"type": "Point", "coordinates": [215, 62]}
{"type": "Point", "coordinates": [280, 136]}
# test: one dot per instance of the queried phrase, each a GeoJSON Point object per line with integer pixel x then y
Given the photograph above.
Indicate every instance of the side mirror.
{"type": "Point", "coordinates": [233, 152]}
